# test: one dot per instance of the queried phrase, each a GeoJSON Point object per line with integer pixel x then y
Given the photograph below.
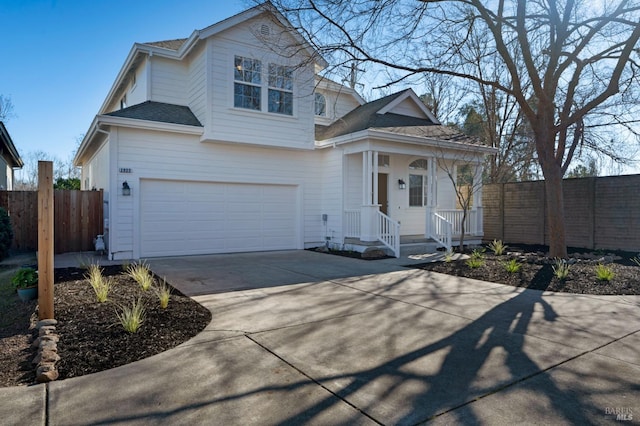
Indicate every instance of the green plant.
{"type": "Point", "coordinates": [604, 272]}
{"type": "Point", "coordinates": [636, 260]}
{"type": "Point", "coordinates": [448, 256]}
{"type": "Point", "coordinates": [131, 318]}
{"type": "Point", "coordinates": [512, 266]}
{"type": "Point", "coordinates": [6, 233]}
{"type": "Point", "coordinates": [474, 262]}
{"type": "Point", "coordinates": [25, 277]}
{"type": "Point", "coordinates": [163, 291]}
{"type": "Point", "coordinates": [141, 274]}
{"type": "Point", "coordinates": [498, 247]}
{"type": "Point", "coordinates": [101, 285]}
{"type": "Point", "coordinates": [561, 269]}
{"type": "Point", "coordinates": [478, 254]}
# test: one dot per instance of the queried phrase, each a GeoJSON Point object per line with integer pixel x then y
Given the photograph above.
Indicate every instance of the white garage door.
{"type": "Point", "coordinates": [182, 218]}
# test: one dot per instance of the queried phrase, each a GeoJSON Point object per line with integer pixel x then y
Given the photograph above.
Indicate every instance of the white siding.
{"type": "Point", "coordinates": [168, 81]}
{"type": "Point", "coordinates": [226, 123]}
{"type": "Point", "coordinates": [197, 83]}
{"type": "Point", "coordinates": [95, 172]}
{"type": "Point", "coordinates": [138, 92]}
{"type": "Point", "coordinates": [338, 105]}
{"type": "Point", "coordinates": [409, 108]}
{"type": "Point", "coordinates": [332, 195]}
{"type": "Point", "coordinates": [171, 156]}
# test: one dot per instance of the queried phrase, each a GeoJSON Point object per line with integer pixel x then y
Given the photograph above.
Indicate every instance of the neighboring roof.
{"type": "Point", "coordinates": [9, 148]}
{"type": "Point", "coordinates": [169, 44]}
{"type": "Point", "coordinates": [158, 111]}
{"type": "Point", "coordinates": [367, 116]}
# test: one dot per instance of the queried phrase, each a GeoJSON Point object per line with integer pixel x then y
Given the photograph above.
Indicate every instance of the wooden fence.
{"type": "Point", "coordinates": [78, 217]}
{"type": "Point", "coordinates": [600, 213]}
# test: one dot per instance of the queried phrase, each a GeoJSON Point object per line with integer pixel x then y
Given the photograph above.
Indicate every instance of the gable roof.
{"type": "Point", "coordinates": [7, 146]}
{"type": "Point", "coordinates": [376, 114]}
{"type": "Point", "coordinates": [175, 44]}
{"type": "Point", "coordinates": [158, 111]}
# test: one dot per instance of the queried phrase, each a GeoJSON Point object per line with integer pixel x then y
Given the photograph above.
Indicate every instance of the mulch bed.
{"type": "Point", "coordinates": [537, 272]}
{"type": "Point", "coordinates": [91, 338]}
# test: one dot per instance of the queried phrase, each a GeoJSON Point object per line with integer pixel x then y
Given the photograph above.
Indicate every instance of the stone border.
{"type": "Point", "coordinates": [47, 355]}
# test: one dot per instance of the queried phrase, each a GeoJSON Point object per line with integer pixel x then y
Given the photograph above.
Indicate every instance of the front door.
{"type": "Point", "coordinates": [383, 192]}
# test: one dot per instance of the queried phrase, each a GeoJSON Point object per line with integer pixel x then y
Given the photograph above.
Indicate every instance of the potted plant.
{"type": "Point", "coordinates": [26, 283]}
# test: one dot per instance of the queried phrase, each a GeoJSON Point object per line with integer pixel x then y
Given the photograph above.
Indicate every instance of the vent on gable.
{"type": "Point", "coordinates": [265, 30]}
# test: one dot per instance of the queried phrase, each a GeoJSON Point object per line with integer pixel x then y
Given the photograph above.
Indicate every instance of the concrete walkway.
{"type": "Point", "coordinates": [309, 338]}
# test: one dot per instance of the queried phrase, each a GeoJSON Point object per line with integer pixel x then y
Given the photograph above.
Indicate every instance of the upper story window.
{"type": "Point", "coordinates": [247, 89]}
{"type": "Point", "coordinates": [320, 105]}
{"type": "Point", "coordinates": [123, 102]}
{"type": "Point", "coordinates": [280, 89]}
{"type": "Point", "coordinates": [249, 85]}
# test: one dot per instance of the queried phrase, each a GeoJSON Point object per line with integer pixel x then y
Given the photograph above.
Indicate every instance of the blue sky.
{"type": "Point", "coordinates": [60, 57]}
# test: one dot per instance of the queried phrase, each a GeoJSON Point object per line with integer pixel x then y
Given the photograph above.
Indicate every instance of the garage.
{"type": "Point", "coordinates": [187, 218]}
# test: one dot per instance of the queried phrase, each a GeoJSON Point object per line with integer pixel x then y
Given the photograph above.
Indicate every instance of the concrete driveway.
{"type": "Point", "coordinates": [309, 338]}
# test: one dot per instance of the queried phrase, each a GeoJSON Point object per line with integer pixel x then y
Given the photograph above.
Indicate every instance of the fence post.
{"type": "Point", "coordinates": [45, 240]}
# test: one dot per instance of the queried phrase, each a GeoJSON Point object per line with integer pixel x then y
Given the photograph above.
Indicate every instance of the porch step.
{"type": "Point", "coordinates": [408, 245]}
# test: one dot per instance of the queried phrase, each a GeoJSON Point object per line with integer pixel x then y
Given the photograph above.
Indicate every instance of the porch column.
{"type": "Point", "coordinates": [478, 201]}
{"type": "Point", "coordinates": [431, 195]}
{"type": "Point", "coordinates": [369, 209]}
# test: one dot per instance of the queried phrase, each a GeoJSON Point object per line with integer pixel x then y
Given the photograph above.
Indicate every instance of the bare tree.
{"type": "Point", "coordinates": [465, 175]}
{"type": "Point", "coordinates": [569, 64]}
{"type": "Point", "coordinates": [6, 108]}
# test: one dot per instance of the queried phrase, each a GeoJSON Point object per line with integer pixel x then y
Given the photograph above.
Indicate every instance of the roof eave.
{"type": "Point", "coordinates": [394, 137]}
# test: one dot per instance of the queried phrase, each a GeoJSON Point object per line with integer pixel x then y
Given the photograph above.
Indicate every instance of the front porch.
{"type": "Point", "coordinates": [416, 243]}
{"type": "Point", "coordinates": [417, 213]}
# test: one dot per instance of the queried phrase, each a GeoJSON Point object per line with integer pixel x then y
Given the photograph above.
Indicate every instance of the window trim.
{"type": "Point", "coordinates": [241, 81]}
{"type": "Point", "coordinates": [423, 173]}
{"type": "Point", "coordinates": [323, 98]}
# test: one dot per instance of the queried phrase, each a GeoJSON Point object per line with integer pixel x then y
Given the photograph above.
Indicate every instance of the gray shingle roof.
{"type": "Point", "coordinates": [366, 117]}
{"type": "Point", "coordinates": [168, 44]}
{"type": "Point", "coordinates": [157, 111]}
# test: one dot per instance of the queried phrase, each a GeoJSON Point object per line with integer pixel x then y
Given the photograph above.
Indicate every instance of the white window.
{"type": "Point", "coordinates": [383, 160]}
{"type": "Point", "coordinates": [418, 183]}
{"type": "Point", "coordinates": [247, 89]}
{"type": "Point", "coordinates": [280, 89]}
{"type": "Point", "coordinates": [321, 105]}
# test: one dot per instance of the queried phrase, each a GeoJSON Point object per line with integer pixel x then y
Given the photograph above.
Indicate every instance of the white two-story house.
{"type": "Point", "coordinates": [230, 140]}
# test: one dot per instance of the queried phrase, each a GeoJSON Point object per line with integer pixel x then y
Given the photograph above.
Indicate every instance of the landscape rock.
{"type": "Point", "coordinates": [45, 323]}
{"type": "Point", "coordinates": [373, 254]}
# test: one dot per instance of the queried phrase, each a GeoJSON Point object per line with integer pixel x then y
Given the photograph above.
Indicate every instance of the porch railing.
{"type": "Point", "coordinates": [352, 223]}
{"type": "Point", "coordinates": [441, 230]}
{"type": "Point", "coordinates": [455, 218]}
{"type": "Point", "coordinates": [388, 232]}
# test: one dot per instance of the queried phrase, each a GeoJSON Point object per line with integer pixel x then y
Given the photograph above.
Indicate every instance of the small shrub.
{"type": "Point", "coordinates": [478, 254]}
{"type": "Point", "coordinates": [141, 274]}
{"type": "Point", "coordinates": [561, 269]}
{"type": "Point", "coordinates": [604, 272]}
{"type": "Point", "coordinates": [131, 318]}
{"type": "Point", "coordinates": [25, 277]}
{"type": "Point", "coordinates": [448, 256]}
{"type": "Point", "coordinates": [101, 285]}
{"type": "Point", "coordinates": [475, 262]}
{"type": "Point", "coordinates": [512, 266]}
{"type": "Point", "coordinates": [163, 291]}
{"type": "Point", "coordinates": [6, 233]}
{"type": "Point", "coordinates": [498, 247]}
{"type": "Point", "coordinates": [636, 260]}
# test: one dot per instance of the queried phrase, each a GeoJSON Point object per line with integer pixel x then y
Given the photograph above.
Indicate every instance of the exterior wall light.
{"type": "Point", "coordinates": [126, 190]}
{"type": "Point", "coordinates": [401, 184]}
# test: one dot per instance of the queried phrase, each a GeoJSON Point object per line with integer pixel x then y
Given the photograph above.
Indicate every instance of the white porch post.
{"type": "Point", "coordinates": [369, 209]}
{"type": "Point", "coordinates": [478, 201]}
{"type": "Point", "coordinates": [431, 195]}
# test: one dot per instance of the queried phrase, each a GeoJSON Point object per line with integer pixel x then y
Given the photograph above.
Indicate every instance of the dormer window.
{"type": "Point", "coordinates": [320, 105]}
{"type": "Point", "coordinates": [247, 89]}
{"type": "Point", "coordinates": [123, 102]}
{"type": "Point", "coordinates": [280, 89]}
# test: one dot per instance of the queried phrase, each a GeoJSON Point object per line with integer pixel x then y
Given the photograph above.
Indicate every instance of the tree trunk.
{"type": "Point", "coordinates": [555, 210]}
{"type": "Point", "coordinates": [462, 230]}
